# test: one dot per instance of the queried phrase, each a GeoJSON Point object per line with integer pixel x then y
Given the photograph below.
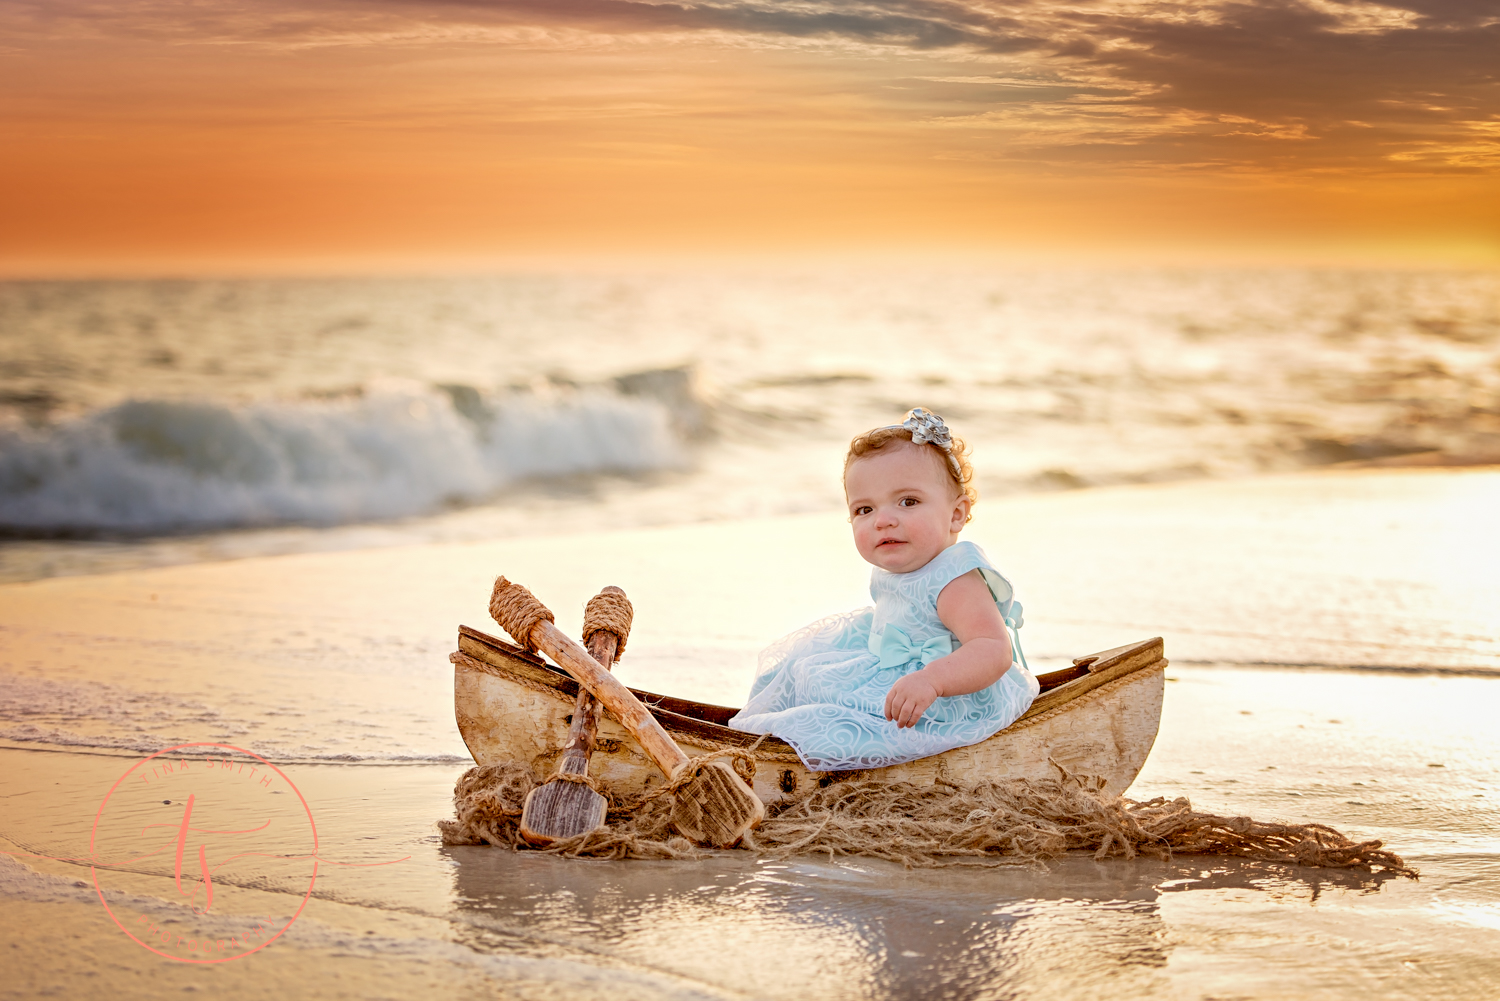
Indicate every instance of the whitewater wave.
{"type": "Point", "coordinates": [393, 450]}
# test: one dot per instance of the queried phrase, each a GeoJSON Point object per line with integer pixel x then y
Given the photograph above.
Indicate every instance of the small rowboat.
{"type": "Point", "coordinates": [1097, 718]}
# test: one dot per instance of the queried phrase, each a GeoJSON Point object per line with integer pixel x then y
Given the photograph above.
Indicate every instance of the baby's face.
{"type": "Point", "coordinates": [903, 506]}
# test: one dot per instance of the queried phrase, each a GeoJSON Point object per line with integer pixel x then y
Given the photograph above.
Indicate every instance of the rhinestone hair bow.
{"type": "Point", "coordinates": [927, 428]}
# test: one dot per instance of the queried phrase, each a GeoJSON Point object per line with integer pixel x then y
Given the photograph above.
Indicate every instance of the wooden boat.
{"type": "Point", "coordinates": [1097, 718]}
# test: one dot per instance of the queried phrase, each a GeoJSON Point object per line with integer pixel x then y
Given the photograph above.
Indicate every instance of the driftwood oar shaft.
{"type": "Point", "coordinates": [616, 698]}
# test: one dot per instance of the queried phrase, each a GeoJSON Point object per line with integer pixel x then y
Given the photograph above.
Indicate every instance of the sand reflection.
{"type": "Point", "coordinates": [854, 929]}
{"type": "Point", "coordinates": [811, 928]}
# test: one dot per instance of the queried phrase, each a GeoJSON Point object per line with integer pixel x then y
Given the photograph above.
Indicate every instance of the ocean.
{"type": "Point", "coordinates": [153, 422]}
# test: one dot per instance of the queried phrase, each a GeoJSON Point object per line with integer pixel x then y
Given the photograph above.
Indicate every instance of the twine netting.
{"type": "Point", "coordinates": [928, 825]}
{"type": "Point", "coordinates": [609, 611]}
{"type": "Point", "coordinates": [518, 611]}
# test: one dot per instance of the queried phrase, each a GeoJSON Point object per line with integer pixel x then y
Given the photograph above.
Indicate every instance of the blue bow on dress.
{"type": "Point", "coordinates": [895, 648]}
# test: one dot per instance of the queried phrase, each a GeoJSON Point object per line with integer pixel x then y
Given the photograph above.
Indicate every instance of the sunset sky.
{"type": "Point", "coordinates": [204, 137]}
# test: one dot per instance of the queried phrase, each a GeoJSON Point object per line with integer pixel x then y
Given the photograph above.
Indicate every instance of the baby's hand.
{"type": "Point", "coordinates": [908, 699]}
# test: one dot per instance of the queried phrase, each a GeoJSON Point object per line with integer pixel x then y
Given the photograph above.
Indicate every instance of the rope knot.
{"type": "Point", "coordinates": [518, 611]}
{"type": "Point", "coordinates": [609, 611]}
{"type": "Point", "coordinates": [582, 779]}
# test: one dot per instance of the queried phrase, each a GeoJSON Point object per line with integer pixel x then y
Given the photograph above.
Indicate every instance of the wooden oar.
{"type": "Point", "coordinates": [712, 805]}
{"type": "Point", "coordinates": [565, 807]}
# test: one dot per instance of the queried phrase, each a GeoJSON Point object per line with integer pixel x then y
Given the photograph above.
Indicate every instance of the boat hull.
{"type": "Point", "coordinates": [1098, 719]}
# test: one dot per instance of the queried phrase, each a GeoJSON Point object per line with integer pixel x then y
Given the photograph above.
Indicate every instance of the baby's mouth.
{"type": "Point", "coordinates": [889, 542]}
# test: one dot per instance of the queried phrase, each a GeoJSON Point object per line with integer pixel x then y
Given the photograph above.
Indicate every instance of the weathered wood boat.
{"type": "Point", "coordinates": [1097, 718]}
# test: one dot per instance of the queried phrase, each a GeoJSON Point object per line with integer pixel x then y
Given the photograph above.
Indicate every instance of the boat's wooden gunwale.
{"type": "Point", "coordinates": [1058, 687]}
{"type": "Point", "coordinates": [685, 717]}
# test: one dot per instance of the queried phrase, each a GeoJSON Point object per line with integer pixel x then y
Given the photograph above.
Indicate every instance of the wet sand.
{"type": "Point", "coordinates": [1374, 592]}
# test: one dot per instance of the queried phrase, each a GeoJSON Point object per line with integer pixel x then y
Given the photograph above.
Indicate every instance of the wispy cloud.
{"type": "Point", "coordinates": [1287, 84]}
{"type": "Point", "coordinates": [1356, 85]}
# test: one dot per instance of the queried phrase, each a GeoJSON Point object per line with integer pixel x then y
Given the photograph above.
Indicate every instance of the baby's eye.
{"type": "Point", "coordinates": [863, 509]}
{"type": "Point", "coordinates": [909, 502]}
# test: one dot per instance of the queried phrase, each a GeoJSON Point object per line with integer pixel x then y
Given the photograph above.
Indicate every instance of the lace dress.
{"type": "Point", "coordinates": [822, 689]}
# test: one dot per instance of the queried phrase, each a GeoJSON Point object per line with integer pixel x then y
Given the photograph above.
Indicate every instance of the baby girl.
{"type": "Point", "coordinates": [930, 667]}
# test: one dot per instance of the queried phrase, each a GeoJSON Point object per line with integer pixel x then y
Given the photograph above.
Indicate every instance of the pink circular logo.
{"type": "Point", "coordinates": [230, 830]}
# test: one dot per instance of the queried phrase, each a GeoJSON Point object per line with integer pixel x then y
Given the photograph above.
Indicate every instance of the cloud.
{"type": "Point", "coordinates": [1351, 85]}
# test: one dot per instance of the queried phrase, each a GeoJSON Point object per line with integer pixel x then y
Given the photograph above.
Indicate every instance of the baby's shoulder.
{"type": "Point", "coordinates": [924, 583]}
{"type": "Point", "coordinates": [966, 558]}
{"type": "Point", "coordinates": [957, 560]}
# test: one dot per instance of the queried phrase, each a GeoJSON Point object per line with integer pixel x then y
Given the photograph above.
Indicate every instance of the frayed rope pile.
{"type": "Point", "coordinates": [928, 825]}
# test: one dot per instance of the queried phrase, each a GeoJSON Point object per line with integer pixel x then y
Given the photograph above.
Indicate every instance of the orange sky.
{"type": "Point", "coordinates": [209, 137]}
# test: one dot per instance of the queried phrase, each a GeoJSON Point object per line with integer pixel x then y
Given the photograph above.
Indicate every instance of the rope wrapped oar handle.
{"type": "Point", "coordinates": [712, 804]}
{"type": "Point", "coordinates": [518, 612]}
{"type": "Point", "coordinates": [608, 612]}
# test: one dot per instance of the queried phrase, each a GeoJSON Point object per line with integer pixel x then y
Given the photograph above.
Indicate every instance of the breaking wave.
{"type": "Point", "coordinates": [390, 451]}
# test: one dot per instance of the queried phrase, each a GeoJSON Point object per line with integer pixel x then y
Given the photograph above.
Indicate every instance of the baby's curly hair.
{"type": "Point", "coordinates": [956, 462]}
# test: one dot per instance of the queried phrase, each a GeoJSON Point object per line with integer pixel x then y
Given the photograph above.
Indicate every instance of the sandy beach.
{"type": "Point", "coordinates": [1334, 660]}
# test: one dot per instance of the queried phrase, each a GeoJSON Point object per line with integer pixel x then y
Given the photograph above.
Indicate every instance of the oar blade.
{"type": "Point", "coordinates": [558, 810]}
{"type": "Point", "coordinates": [715, 807]}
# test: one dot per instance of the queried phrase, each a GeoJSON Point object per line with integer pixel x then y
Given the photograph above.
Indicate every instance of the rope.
{"type": "Point", "coordinates": [587, 780]}
{"type": "Point", "coordinates": [989, 823]}
{"type": "Point", "coordinates": [518, 611]}
{"type": "Point", "coordinates": [609, 611]}
{"type": "Point", "coordinates": [742, 761]}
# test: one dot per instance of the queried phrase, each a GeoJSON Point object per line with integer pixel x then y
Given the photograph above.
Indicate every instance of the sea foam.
{"type": "Point", "coordinates": [395, 449]}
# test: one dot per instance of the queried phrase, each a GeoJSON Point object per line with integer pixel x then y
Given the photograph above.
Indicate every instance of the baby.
{"type": "Point", "coordinates": [930, 666]}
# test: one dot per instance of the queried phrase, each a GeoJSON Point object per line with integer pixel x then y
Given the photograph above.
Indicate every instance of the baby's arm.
{"type": "Point", "coordinates": [967, 609]}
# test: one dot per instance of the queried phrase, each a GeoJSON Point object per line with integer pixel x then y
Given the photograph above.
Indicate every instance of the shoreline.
{"type": "Point", "coordinates": [1177, 665]}
{"type": "Point", "coordinates": [106, 554]}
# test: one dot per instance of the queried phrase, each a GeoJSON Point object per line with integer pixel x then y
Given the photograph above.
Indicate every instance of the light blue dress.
{"type": "Point", "coordinates": [822, 689]}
